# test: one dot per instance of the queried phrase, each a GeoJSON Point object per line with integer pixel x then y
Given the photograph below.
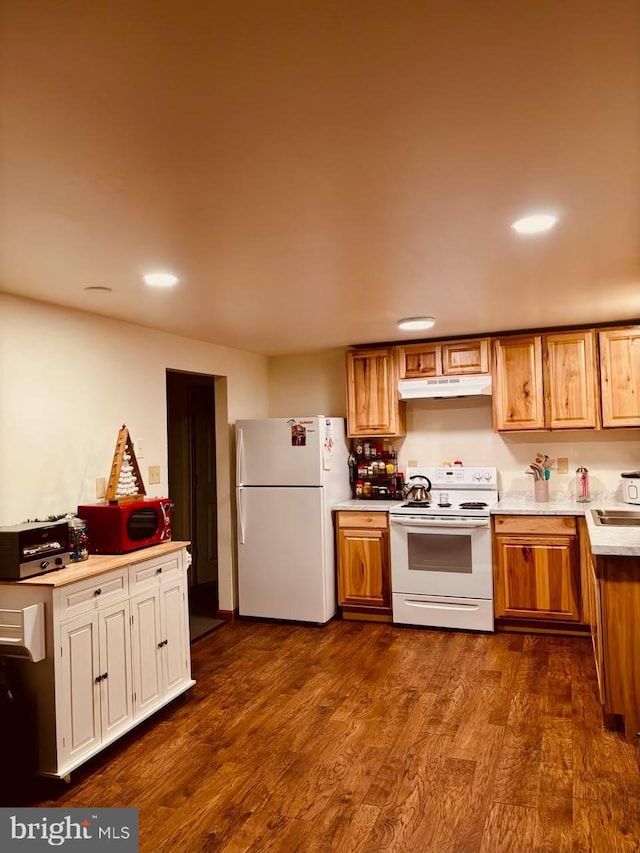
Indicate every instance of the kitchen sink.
{"type": "Point", "coordinates": [617, 517]}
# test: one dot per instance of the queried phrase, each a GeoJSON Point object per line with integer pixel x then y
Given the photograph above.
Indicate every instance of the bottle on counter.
{"type": "Point", "coordinates": [359, 488]}
{"type": "Point", "coordinates": [366, 489]}
{"type": "Point", "coordinates": [583, 496]}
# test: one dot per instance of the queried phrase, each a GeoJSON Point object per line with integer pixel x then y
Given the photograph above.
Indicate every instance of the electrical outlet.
{"type": "Point", "coordinates": [139, 450]}
{"type": "Point", "coordinates": [154, 475]}
{"type": "Point", "coordinates": [101, 487]}
{"type": "Point", "coordinates": [412, 463]}
{"type": "Point", "coordinates": [563, 464]}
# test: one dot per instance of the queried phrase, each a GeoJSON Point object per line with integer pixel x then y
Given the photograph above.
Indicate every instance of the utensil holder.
{"type": "Point", "coordinates": [541, 491]}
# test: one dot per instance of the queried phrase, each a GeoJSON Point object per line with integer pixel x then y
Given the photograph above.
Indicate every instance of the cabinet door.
{"type": "Point", "coordinates": [418, 361]}
{"type": "Point", "coordinates": [570, 380]}
{"type": "Point", "coordinates": [459, 357]}
{"type": "Point", "coordinates": [174, 635]}
{"type": "Point", "coordinates": [147, 666]}
{"type": "Point", "coordinates": [518, 402]}
{"type": "Point", "coordinates": [620, 377]}
{"type": "Point", "coordinates": [116, 686]}
{"type": "Point", "coordinates": [373, 407]}
{"type": "Point", "coordinates": [363, 568]}
{"type": "Point", "coordinates": [80, 698]}
{"type": "Point", "coordinates": [537, 578]}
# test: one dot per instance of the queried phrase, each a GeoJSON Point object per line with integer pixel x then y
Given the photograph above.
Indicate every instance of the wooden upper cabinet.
{"type": "Point", "coordinates": [459, 357]}
{"type": "Point", "coordinates": [452, 358]}
{"type": "Point", "coordinates": [518, 401]}
{"type": "Point", "coordinates": [373, 407]}
{"type": "Point", "coordinates": [620, 377]}
{"type": "Point", "coordinates": [571, 396]}
{"type": "Point", "coordinates": [419, 361]}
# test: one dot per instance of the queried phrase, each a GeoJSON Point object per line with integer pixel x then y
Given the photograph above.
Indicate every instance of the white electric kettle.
{"type": "Point", "coordinates": [631, 487]}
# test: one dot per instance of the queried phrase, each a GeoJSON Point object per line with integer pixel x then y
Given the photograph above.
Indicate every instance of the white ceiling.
{"type": "Point", "coordinates": [314, 169]}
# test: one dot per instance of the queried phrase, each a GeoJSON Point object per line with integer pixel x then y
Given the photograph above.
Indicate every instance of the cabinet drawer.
{"type": "Point", "coordinates": [553, 525]}
{"type": "Point", "coordinates": [149, 573]}
{"type": "Point", "coordinates": [92, 593]}
{"type": "Point", "coordinates": [376, 520]}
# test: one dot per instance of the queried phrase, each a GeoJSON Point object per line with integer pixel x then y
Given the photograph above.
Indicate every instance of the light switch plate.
{"type": "Point", "coordinates": [139, 449]}
{"type": "Point", "coordinates": [563, 464]}
{"type": "Point", "coordinates": [101, 487]}
{"type": "Point", "coordinates": [154, 475]}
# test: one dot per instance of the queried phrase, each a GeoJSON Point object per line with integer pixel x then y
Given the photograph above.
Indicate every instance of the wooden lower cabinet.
{"type": "Point", "coordinates": [537, 571]}
{"type": "Point", "coordinates": [364, 583]}
{"type": "Point", "coordinates": [614, 593]}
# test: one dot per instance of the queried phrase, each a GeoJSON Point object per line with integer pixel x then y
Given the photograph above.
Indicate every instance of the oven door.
{"type": "Point", "coordinates": [441, 556]}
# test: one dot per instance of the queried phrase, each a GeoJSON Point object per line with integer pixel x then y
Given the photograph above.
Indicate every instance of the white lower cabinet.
{"type": "Point", "coordinates": [117, 649]}
{"type": "Point", "coordinates": [147, 660]}
{"type": "Point", "coordinates": [160, 644]}
{"type": "Point", "coordinates": [96, 698]}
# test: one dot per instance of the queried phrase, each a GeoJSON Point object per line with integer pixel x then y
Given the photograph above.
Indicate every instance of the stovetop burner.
{"type": "Point", "coordinates": [472, 505]}
{"type": "Point", "coordinates": [417, 503]}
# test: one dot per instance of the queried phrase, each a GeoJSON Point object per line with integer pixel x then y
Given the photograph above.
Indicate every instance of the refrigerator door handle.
{"type": "Point", "coordinates": [240, 515]}
{"type": "Point", "coordinates": [239, 453]}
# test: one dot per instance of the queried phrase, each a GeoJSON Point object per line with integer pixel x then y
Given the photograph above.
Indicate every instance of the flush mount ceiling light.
{"type": "Point", "coordinates": [413, 324]}
{"type": "Point", "coordinates": [98, 288]}
{"type": "Point", "coordinates": [537, 223]}
{"type": "Point", "coordinates": [160, 279]}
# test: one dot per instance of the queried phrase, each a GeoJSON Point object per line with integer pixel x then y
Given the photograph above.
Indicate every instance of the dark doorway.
{"type": "Point", "coordinates": [191, 437]}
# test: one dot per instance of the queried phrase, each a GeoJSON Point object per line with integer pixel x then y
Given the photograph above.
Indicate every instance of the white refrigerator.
{"type": "Point", "coordinates": [290, 472]}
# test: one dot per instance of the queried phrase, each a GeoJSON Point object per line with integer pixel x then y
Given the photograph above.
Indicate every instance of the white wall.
{"type": "Point", "coordinates": [69, 380]}
{"type": "Point", "coordinates": [308, 384]}
{"type": "Point", "coordinates": [462, 429]}
{"type": "Point", "coordinates": [459, 429]}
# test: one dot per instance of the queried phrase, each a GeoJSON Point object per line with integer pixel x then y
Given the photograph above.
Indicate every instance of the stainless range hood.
{"type": "Point", "coordinates": [445, 386]}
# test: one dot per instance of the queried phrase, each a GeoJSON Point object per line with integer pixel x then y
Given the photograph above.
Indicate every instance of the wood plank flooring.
{"type": "Point", "coordinates": [367, 737]}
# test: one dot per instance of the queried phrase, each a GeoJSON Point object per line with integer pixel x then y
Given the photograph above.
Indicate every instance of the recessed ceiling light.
{"type": "Point", "coordinates": [160, 279]}
{"type": "Point", "coordinates": [535, 224]}
{"type": "Point", "coordinates": [415, 323]}
{"type": "Point", "coordinates": [97, 288]}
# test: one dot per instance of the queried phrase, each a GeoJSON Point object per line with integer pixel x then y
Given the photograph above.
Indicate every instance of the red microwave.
{"type": "Point", "coordinates": [118, 528]}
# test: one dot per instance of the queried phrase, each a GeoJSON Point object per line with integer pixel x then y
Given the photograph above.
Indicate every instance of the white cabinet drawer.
{"type": "Point", "coordinates": [150, 573]}
{"type": "Point", "coordinates": [92, 593]}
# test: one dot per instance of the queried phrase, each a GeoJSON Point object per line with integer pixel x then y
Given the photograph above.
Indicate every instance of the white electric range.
{"type": "Point", "coordinates": [441, 566]}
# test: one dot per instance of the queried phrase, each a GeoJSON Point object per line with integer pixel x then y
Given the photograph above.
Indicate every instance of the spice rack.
{"type": "Point", "coordinates": [373, 471]}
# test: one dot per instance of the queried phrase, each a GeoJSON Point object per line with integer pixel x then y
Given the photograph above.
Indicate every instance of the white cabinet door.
{"type": "Point", "coordinates": [116, 685]}
{"type": "Point", "coordinates": [174, 634]}
{"type": "Point", "coordinates": [147, 671]}
{"type": "Point", "coordinates": [80, 701]}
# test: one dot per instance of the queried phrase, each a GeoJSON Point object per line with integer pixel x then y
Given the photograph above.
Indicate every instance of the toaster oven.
{"type": "Point", "coordinates": [33, 548]}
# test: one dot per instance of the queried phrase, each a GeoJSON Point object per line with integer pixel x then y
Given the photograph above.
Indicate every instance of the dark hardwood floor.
{"type": "Point", "coordinates": [367, 737]}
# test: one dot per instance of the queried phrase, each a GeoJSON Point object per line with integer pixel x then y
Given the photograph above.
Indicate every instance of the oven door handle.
{"type": "Point", "coordinates": [457, 525]}
{"type": "Point", "coordinates": [433, 605]}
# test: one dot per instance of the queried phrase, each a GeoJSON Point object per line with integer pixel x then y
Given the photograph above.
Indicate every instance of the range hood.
{"type": "Point", "coordinates": [445, 386]}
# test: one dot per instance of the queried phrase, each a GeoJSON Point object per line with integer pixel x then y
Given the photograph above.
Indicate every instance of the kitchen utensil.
{"type": "Point", "coordinates": [417, 492]}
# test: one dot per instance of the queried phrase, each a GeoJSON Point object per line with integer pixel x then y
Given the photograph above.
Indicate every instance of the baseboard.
{"type": "Point", "coordinates": [228, 615]}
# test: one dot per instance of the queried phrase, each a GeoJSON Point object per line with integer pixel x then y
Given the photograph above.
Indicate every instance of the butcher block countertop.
{"type": "Point", "coordinates": [99, 563]}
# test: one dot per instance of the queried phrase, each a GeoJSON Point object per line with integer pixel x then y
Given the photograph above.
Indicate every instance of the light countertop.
{"type": "Point", "coordinates": [523, 504]}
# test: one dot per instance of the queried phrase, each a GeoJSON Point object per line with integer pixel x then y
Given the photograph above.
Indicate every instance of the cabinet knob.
{"type": "Point", "coordinates": [97, 591]}
{"type": "Point", "coordinates": [105, 676]}
{"type": "Point", "coordinates": [159, 571]}
{"type": "Point", "coordinates": [99, 679]}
